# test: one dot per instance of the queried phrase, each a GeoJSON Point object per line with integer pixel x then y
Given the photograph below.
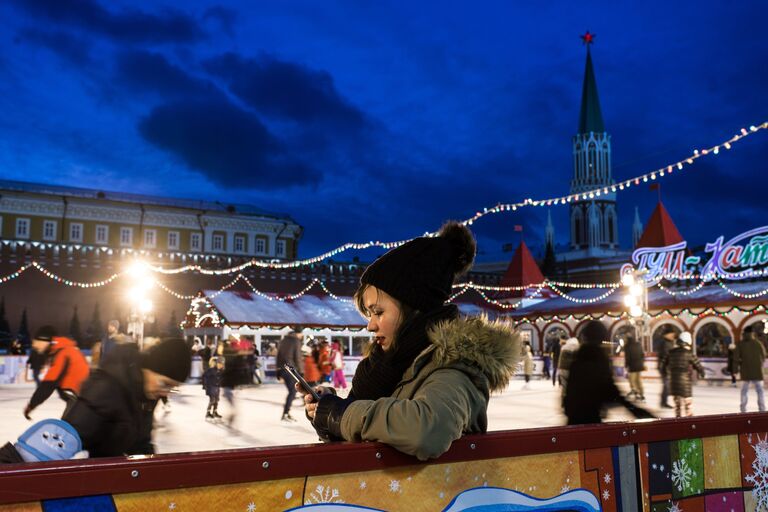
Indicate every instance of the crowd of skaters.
{"type": "Point", "coordinates": [676, 364]}
{"type": "Point", "coordinates": [581, 367]}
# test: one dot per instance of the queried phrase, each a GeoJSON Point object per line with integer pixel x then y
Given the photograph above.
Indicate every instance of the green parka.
{"type": "Point", "coordinates": [445, 392]}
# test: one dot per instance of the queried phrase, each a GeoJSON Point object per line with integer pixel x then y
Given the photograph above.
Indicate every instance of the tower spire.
{"type": "Point", "coordinates": [590, 118]}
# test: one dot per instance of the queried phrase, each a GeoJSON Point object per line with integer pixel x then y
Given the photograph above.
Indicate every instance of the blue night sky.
{"type": "Point", "coordinates": [379, 120]}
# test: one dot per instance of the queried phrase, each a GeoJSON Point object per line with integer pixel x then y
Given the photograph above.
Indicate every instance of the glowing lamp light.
{"type": "Point", "coordinates": [138, 269]}
{"type": "Point", "coordinates": [630, 301]}
{"type": "Point", "coordinates": [135, 294]}
{"type": "Point", "coordinates": [636, 311]}
{"type": "Point", "coordinates": [145, 306]}
{"type": "Point", "coordinates": [628, 279]}
{"type": "Point", "coordinates": [636, 289]}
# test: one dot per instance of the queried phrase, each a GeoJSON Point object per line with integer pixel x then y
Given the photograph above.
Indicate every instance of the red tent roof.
{"type": "Point", "coordinates": [660, 231]}
{"type": "Point", "coordinates": [522, 270]}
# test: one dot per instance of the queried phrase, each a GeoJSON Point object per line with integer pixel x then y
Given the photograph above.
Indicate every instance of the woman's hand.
{"type": "Point", "coordinates": [310, 406]}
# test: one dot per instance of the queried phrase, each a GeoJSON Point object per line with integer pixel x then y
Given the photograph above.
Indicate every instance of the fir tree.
{"type": "Point", "coordinates": [23, 333]}
{"type": "Point", "coordinates": [95, 330]}
{"type": "Point", "coordinates": [173, 325]}
{"type": "Point", "coordinates": [4, 327]}
{"type": "Point", "coordinates": [74, 327]}
{"type": "Point", "coordinates": [549, 266]}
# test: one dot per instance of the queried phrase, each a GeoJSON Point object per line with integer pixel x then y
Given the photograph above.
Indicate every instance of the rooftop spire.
{"type": "Point", "coordinates": [590, 118]}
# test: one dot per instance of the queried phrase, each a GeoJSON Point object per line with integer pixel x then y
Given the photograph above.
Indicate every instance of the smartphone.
{"type": "Point", "coordinates": [304, 384]}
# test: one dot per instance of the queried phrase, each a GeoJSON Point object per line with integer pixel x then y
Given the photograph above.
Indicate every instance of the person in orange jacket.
{"type": "Point", "coordinates": [324, 361]}
{"type": "Point", "coordinates": [311, 371]}
{"type": "Point", "coordinates": [67, 372]}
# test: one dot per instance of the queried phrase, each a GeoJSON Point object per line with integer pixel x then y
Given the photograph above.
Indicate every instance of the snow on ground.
{"type": "Point", "coordinates": [258, 410]}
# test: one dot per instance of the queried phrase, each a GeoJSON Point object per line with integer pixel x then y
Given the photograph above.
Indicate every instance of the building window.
{"type": "Point", "coordinates": [150, 238]}
{"type": "Point", "coordinates": [218, 242]}
{"type": "Point", "coordinates": [173, 239]}
{"type": "Point", "coordinates": [280, 248]}
{"type": "Point", "coordinates": [102, 234]}
{"type": "Point", "coordinates": [126, 236]}
{"type": "Point", "coordinates": [49, 230]}
{"type": "Point", "coordinates": [261, 246]}
{"type": "Point", "coordinates": [195, 240]}
{"type": "Point", "coordinates": [76, 232]}
{"type": "Point", "coordinates": [239, 243]}
{"type": "Point", "coordinates": [22, 228]}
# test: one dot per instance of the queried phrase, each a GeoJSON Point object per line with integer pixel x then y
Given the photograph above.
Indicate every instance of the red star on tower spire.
{"type": "Point", "coordinates": [588, 38]}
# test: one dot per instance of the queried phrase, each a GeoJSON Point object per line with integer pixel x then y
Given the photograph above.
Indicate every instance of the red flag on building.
{"type": "Point", "coordinates": [518, 227]}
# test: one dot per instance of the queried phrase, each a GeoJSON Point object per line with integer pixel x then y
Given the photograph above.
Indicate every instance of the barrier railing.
{"type": "Point", "coordinates": [700, 463]}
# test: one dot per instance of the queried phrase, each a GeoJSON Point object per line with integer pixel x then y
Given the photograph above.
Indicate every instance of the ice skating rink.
{"type": "Point", "coordinates": [258, 410]}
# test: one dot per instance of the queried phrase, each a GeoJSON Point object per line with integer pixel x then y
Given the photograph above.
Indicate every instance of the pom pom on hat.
{"type": "Point", "coordinates": [685, 338]}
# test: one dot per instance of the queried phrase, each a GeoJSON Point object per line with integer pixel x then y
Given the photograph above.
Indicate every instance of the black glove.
{"type": "Point", "coordinates": [327, 422]}
{"type": "Point", "coordinates": [28, 410]}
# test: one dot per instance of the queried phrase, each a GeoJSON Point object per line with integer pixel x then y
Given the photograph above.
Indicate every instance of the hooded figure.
{"type": "Point", "coordinates": [590, 383]}
{"type": "Point", "coordinates": [428, 376]}
{"type": "Point", "coordinates": [114, 412]}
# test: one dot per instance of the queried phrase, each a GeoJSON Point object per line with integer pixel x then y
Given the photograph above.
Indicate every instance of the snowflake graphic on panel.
{"type": "Point", "coordinates": [251, 507]}
{"type": "Point", "coordinates": [394, 485]}
{"type": "Point", "coordinates": [681, 474]}
{"type": "Point", "coordinates": [607, 478]}
{"type": "Point", "coordinates": [323, 494]}
{"type": "Point", "coordinates": [606, 495]}
{"type": "Point", "coordinates": [564, 489]}
{"type": "Point", "coordinates": [363, 485]}
{"type": "Point", "coordinates": [674, 507]}
{"type": "Point", "coordinates": [759, 479]}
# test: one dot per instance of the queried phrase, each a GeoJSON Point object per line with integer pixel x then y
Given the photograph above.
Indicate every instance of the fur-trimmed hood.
{"type": "Point", "coordinates": [492, 347]}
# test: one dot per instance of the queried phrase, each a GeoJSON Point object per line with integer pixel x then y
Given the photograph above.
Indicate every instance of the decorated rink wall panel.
{"type": "Point", "coordinates": [717, 463]}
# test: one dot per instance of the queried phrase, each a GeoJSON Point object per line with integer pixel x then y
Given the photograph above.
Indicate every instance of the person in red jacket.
{"type": "Point", "coordinates": [67, 372]}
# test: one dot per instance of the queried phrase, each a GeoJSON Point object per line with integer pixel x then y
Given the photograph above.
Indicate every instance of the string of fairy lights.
{"type": "Point", "coordinates": [675, 314]}
{"type": "Point", "coordinates": [533, 290]}
{"type": "Point", "coordinates": [647, 177]}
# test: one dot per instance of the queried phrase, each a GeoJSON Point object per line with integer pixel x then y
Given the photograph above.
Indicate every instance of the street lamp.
{"type": "Point", "coordinates": [636, 300]}
{"type": "Point", "coordinates": [140, 304]}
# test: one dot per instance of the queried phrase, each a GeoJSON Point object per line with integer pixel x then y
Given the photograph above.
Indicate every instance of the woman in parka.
{"type": "Point", "coordinates": [428, 376]}
{"type": "Point", "coordinates": [676, 367]}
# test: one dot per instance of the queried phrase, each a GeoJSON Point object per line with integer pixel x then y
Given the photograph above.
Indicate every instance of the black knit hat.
{"type": "Point", "coordinates": [171, 357]}
{"type": "Point", "coordinates": [420, 273]}
{"type": "Point", "coordinates": [45, 333]}
{"type": "Point", "coordinates": [594, 333]}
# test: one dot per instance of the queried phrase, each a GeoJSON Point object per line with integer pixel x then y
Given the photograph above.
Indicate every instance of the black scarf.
{"type": "Point", "coordinates": [378, 374]}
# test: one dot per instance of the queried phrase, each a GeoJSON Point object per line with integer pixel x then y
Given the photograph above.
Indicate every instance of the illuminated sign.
{"type": "Point", "coordinates": [741, 257]}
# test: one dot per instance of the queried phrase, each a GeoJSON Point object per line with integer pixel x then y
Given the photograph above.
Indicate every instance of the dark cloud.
{"type": "Point", "coordinates": [71, 48]}
{"type": "Point", "coordinates": [229, 146]}
{"type": "Point", "coordinates": [129, 25]}
{"type": "Point", "coordinates": [286, 90]}
{"type": "Point", "coordinates": [145, 71]}
{"type": "Point", "coordinates": [226, 18]}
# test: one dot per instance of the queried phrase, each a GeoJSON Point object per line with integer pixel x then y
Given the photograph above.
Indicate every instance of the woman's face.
{"type": "Point", "coordinates": [383, 316]}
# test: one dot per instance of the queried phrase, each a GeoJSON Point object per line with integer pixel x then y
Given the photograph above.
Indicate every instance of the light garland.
{"type": "Point", "coordinates": [760, 308]}
{"type": "Point", "coordinates": [583, 301]}
{"type": "Point", "coordinates": [742, 295]}
{"type": "Point", "coordinates": [682, 293]}
{"type": "Point", "coordinates": [96, 284]}
{"type": "Point", "coordinates": [499, 208]}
